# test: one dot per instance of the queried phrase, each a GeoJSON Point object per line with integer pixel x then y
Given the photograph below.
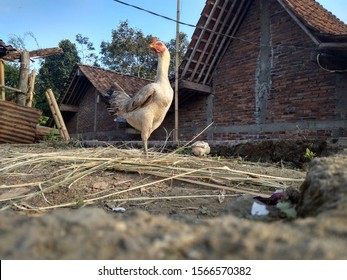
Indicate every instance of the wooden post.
{"type": "Point", "coordinates": [23, 77]}
{"type": "Point", "coordinates": [176, 69]}
{"type": "Point", "coordinates": [11, 88]}
{"type": "Point", "coordinates": [2, 79]}
{"type": "Point", "coordinates": [31, 86]}
{"type": "Point", "coordinates": [13, 55]}
{"type": "Point", "coordinates": [58, 118]}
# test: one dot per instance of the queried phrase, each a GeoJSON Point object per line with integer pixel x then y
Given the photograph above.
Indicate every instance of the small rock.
{"type": "Point", "coordinates": [100, 185]}
{"type": "Point", "coordinates": [240, 207]}
{"type": "Point", "coordinates": [201, 148]}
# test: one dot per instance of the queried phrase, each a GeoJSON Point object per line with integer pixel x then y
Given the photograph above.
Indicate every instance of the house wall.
{"type": "Point", "coordinates": [268, 87]}
{"type": "Point", "coordinates": [71, 125]}
{"type": "Point", "coordinates": [94, 122]}
{"type": "Point", "coordinates": [192, 117]}
{"type": "Point", "coordinates": [82, 121]}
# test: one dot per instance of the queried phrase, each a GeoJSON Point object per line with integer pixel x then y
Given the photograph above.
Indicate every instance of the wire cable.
{"type": "Point", "coordinates": [209, 30]}
{"type": "Point", "coordinates": [188, 24]}
{"type": "Point", "coordinates": [326, 69]}
{"type": "Point", "coordinates": [155, 14]}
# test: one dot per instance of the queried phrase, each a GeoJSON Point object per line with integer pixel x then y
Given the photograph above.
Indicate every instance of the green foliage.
{"type": "Point", "coordinates": [183, 44]}
{"type": "Point", "coordinates": [129, 52]}
{"type": "Point", "coordinates": [183, 150]}
{"type": "Point", "coordinates": [43, 120]}
{"type": "Point", "coordinates": [54, 73]}
{"type": "Point", "coordinates": [86, 51]}
{"type": "Point", "coordinates": [52, 137]}
{"type": "Point", "coordinates": [204, 211]}
{"type": "Point", "coordinates": [11, 78]}
{"type": "Point", "coordinates": [79, 203]}
{"type": "Point", "coordinates": [18, 41]}
{"type": "Point", "coordinates": [309, 154]}
{"type": "Point", "coordinates": [288, 209]}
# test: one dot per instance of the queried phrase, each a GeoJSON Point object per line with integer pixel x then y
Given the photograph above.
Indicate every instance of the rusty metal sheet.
{"type": "Point", "coordinates": [17, 123]}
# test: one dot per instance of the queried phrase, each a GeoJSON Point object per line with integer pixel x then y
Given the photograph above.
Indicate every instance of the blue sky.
{"type": "Point", "coordinates": [52, 21]}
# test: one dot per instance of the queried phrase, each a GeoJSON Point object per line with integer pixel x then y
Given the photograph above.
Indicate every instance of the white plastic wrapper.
{"type": "Point", "coordinates": [259, 209]}
{"type": "Point", "coordinates": [118, 209]}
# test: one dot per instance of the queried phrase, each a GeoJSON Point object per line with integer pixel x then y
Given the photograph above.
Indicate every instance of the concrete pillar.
{"type": "Point", "coordinates": [264, 62]}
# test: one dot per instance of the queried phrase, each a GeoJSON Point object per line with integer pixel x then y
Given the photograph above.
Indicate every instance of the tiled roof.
{"type": "Point", "coordinates": [103, 79]}
{"type": "Point", "coordinates": [315, 16]}
{"type": "Point", "coordinates": [221, 17]}
{"type": "Point", "coordinates": [83, 75]}
{"type": "Point", "coordinates": [5, 49]}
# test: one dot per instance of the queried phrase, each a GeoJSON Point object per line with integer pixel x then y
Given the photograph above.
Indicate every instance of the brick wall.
{"type": "Point", "coordinates": [301, 98]}
{"type": "Point", "coordinates": [234, 81]}
{"type": "Point", "coordinates": [192, 120]}
{"type": "Point", "coordinates": [86, 113]}
{"type": "Point", "coordinates": [71, 125]}
{"type": "Point", "coordinates": [300, 89]}
{"type": "Point", "coordinates": [94, 122]}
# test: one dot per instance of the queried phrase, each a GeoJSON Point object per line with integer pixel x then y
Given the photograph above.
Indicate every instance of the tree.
{"type": "Point", "coordinates": [54, 73]}
{"type": "Point", "coordinates": [183, 45]}
{"type": "Point", "coordinates": [128, 52]}
{"type": "Point", "coordinates": [86, 51]}
{"type": "Point", "coordinates": [18, 41]}
{"type": "Point", "coordinates": [11, 78]}
{"type": "Point", "coordinates": [12, 69]}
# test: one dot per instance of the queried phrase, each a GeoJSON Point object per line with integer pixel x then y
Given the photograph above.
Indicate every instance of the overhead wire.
{"type": "Point", "coordinates": [207, 29]}
{"type": "Point", "coordinates": [229, 36]}
{"type": "Point", "coordinates": [184, 23]}
{"type": "Point", "coordinates": [155, 14]}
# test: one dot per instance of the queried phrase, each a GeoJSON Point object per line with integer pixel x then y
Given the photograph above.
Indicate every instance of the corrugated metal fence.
{"type": "Point", "coordinates": [17, 123]}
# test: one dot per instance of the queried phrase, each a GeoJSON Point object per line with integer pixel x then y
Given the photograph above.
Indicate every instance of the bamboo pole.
{"type": "Point", "coordinates": [31, 86]}
{"type": "Point", "coordinates": [13, 55]}
{"type": "Point", "coordinates": [2, 79]}
{"type": "Point", "coordinates": [23, 77]}
{"type": "Point", "coordinates": [11, 88]}
{"type": "Point", "coordinates": [176, 69]}
{"type": "Point", "coordinates": [58, 118]}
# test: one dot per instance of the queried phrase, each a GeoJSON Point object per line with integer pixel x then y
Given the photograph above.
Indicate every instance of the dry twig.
{"type": "Point", "coordinates": [73, 165]}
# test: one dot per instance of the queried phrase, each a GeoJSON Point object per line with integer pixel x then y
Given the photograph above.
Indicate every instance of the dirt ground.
{"type": "Point", "coordinates": [177, 198]}
{"type": "Point", "coordinates": [57, 203]}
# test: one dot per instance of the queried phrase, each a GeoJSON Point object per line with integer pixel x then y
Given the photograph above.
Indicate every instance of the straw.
{"type": "Point", "coordinates": [71, 166]}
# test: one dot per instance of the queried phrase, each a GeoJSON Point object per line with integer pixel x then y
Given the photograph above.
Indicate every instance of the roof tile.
{"type": "Point", "coordinates": [5, 49]}
{"type": "Point", "coordinates": [103, 79]}
{"type": "Point", "coordinates": [317, 17]}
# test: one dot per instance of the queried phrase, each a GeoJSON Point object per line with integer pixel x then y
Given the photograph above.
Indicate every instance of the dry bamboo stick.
{"type": "Point", "coordinates": [30, 95]}
{"type": "Point", "coordinates": [11, 88]}
{"type": "Point", "coordinates": [57, 115]}
{"type": "Point", "coordinates": [33, 184]}
{"type": "Point", "coordinates": [23, 77]}
{"type": "Point", "coordinates": [92, 201]}
{"type": "Point", "coordinates": [2, 79]}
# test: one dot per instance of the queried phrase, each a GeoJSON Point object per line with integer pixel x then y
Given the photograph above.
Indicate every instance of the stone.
{"type": "Point", "coordinates": [325, 187]}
